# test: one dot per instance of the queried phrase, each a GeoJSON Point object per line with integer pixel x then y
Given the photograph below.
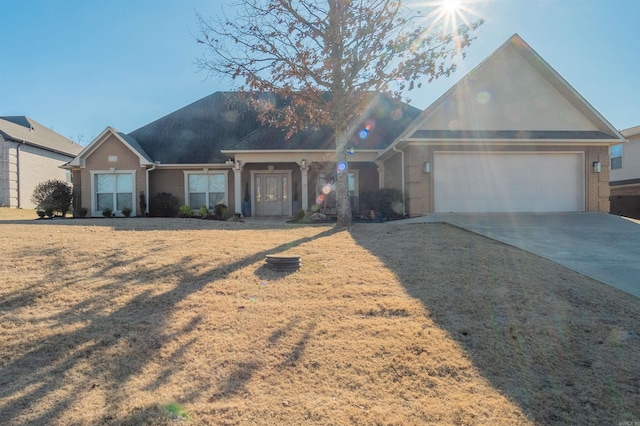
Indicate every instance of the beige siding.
{"type": "Point", "coordinates": [22, 168]}
{"type": "Point", "coordinates": [6, 176]}
{"type": "Point", "coordinates": [507, 93]}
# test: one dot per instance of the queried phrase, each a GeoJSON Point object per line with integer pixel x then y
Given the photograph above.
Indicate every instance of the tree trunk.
{"type": "Point", "coordinates": [343, 203]}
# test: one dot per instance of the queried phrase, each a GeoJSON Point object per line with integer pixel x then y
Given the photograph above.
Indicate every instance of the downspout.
{"type": "Point", "coordinates": [146, 189]}
{"type": "Point", "coordinates": [404, 211]}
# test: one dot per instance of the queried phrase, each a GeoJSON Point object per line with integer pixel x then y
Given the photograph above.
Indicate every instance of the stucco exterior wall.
{"type": "Point", "coordinates": [419, 184]}
{"type": "Point", "coordinates": [111, 156]}
{"type": "Point", "coordinates": [22, 168]}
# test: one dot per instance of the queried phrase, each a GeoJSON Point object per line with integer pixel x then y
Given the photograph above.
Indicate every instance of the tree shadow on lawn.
{"type": "Point", "coordinates": [162, 223]}
{"type": "Point", "coordinates": [37, 380]}
{"type": "Point", "coordinates": [564, 347]}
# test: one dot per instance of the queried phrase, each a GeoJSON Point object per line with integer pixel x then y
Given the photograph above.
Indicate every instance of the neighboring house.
{"type": "Point", "coordinates": [625, 164]}
{"type": "Point", "coordinates": [511, 136]}
{"type": "Point", "coordinates": [625, 175]}
{"type": "Point", "coordinates": [30, 154]}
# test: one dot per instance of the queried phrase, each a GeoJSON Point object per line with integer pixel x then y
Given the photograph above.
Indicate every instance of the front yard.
{"type": "Point", "coordinates": [152, 321]}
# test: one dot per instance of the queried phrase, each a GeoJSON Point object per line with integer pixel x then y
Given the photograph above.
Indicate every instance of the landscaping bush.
{"type": "Point", "coordinates": [164, 204]}
{"type": "Point", "coordinates": [221, 212]}
{"type": "Point", "coordinates": [126, 212]}
{"type": "Point", "coordinates": [107, 212]}
{"type": "Point", "coordinates": [203, 212]}
{"type": "Point", "coordinates": [82, 212]}
{"type": "Point", "coordinates": [300, 214]}
{"type": "Point", "coordinates": [185, 211]}
{"type": "Point", "coordinates": [52, 196]}
{"type": "Point", "coordinates": [387, 201]}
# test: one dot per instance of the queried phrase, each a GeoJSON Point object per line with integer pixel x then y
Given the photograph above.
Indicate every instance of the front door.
{"type": "Point", "coordinates": [271, 194]}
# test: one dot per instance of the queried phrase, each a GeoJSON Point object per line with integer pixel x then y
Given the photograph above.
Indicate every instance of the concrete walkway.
{"type": "Point", "coordinates": [602, 246]}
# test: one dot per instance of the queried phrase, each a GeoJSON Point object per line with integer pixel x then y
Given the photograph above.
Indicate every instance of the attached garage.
{"type": "Point", "coordinates": [509, 182]}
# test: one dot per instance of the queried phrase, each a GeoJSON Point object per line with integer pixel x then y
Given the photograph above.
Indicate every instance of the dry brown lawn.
{"type": "Point", "coordinates": [177, 321]}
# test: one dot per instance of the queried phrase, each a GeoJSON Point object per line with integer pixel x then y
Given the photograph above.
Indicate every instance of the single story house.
{"type": "Point", "coordinates": [510, 136]}
{"type": "Point", "coordinates": [30, 153]}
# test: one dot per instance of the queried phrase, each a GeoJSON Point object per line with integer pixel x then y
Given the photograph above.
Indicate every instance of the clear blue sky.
{"type": "Point", "coordinates": [78, 66]}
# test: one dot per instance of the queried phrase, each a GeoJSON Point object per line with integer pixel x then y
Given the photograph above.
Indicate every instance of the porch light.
{"type": "Point", "coordinates": [303, 164]}
{"type": "Point", "coordinates": [597, 167]}
{"type": "Point", "coordinates": [427, 167]}
{"type": "Point", "coordinates": [237, 167]}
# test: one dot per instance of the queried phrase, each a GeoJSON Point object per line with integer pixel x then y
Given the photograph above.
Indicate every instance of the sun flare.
{"type": "Point", "coordinates": [451, 6]}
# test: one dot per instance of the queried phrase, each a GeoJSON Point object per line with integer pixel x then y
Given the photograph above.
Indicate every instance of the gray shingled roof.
{"type": "Point", "coordinates": [199, 132]}
{"type": "Point", "coordinates": [27, 130]}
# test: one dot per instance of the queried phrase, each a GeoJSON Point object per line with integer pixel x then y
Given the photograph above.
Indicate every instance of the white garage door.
{"type": "Point", "coordinates": [508, 182]}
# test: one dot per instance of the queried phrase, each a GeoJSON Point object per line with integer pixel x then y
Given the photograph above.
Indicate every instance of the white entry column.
{"type": "Point", "coordinates": [304, 169]}
{"type": "Point", "coordinates": [237, 187]}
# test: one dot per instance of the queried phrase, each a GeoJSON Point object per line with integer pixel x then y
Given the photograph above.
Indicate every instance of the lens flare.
{"type": "Point", "coordinates": [342, 166]}
{"type": "Point", "coordinates": [364, 133]}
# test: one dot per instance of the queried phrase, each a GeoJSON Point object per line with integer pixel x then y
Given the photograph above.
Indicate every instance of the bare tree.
{"type": "Point", "coordinates": [324, 56]}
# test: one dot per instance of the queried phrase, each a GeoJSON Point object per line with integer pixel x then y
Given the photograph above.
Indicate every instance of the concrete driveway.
{"type": "Point", "coordinates": [602, 246]}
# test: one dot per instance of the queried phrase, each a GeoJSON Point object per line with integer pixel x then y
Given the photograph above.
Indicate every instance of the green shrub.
{"type": "Point", "coordinates": [126, 212]}
{"type": "Point", "coordinates": [185, 211]}
{"type": "Point", "coordinates": [221, 212]}
{"type": "Point", "coordinates": [53, 196]}
{"type": "Point", "coordinates": [300, 214]}
{"type": "Point", "coordinates": [107, 212]}
{"type": "Point", "coordinates": [41, 214]}
{"type": "Point", "coordinates": [203, 212]}
{"type": "Point", "coordinates": [388, 201]}
{"type": "Point", "coordinates": [164, 204]}
{"type": "Point", "coordinates": [142, 203]}
{"type": "Point", "coordinates": [82, 212]}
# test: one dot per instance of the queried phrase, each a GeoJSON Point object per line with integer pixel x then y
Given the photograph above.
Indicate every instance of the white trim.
{"type": "Point", "coordinates": [195, 166]}
{"type": "Point", "coordinates": [288, 172]}
{"type": "Point", "coordinates": [93, 173]}
{"type": "Point", "coordinates": [200, 172]}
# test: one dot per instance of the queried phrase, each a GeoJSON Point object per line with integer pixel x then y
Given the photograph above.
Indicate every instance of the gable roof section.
{"type": "Point", "coordinates": [631, 132]}
{"type": "Point", "coordinates": [513, 96]}
{"type": "Point", "coordinates": [24, 129]}
{"type": "Point", "coordinates": [225, 122]}
{"type": "Point", "coordinates": [127, 140]}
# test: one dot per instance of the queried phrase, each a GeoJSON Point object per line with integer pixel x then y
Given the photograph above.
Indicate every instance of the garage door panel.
{"type": "Point", "coordinates": [508, 182]}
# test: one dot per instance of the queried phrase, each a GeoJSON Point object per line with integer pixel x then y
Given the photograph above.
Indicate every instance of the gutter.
{"type": "Point", "coordinates": [404, 212]}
